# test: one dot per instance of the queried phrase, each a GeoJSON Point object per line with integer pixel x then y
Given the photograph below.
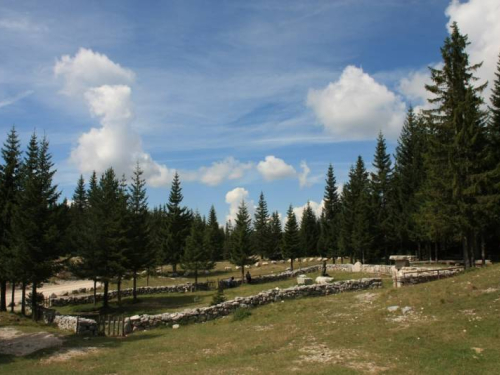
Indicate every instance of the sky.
{"type": "Point", "coordinates": [238, 97]}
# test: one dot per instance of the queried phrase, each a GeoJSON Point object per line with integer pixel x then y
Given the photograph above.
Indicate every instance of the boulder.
{"type": "Point", "coordinates": [357, 267]}
{"type": "Point", "coordinates": [324, 280]}
{"type": "Point", "coordinates": [304, 280]}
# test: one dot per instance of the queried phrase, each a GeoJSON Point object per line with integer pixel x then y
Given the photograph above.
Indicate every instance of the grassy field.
{"type": "Point", "coordinates": [453, 327]}
{"type": "Point", "coordinates": [171, 302]}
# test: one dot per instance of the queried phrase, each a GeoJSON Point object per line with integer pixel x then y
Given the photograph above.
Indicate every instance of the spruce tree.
{"type": "Point", "coordinates": [456, 147]}
{"type": "Point", "coordinates": [261, 226]}
{"type": "Point", "coordinates": [140, 252]}
{"type": "Point", "coordinates": [241, 240]}
{"type": "Point", "coordinates": [177, 225]}
{"type": "Point", "coordinates": [35, 231]}
{"type": "Point", "coordinates": [10, 184]}
{"type": "Point", "coordinates": [381, 193]}
{"type": "Point", "coordinates": [309, 232]}
{"type": "Point", "coordinates": [197, 255]}
{"type": "Point", "coordinates": [275, 236]}
{"type": "Point", "coordinates": [329, 223]}
{"type": "Point", "coordinates": [291, 237]}
{"type": "Point", "coordinates": [214, 236]}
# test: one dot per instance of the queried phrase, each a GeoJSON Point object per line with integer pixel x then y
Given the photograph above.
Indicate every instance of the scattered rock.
{"type": "Point", "coordinates": [392, 308]}
{"type": "Point", "coordinates": [406, 309]}
{"type": "Point", "coordinates": [176, 326]}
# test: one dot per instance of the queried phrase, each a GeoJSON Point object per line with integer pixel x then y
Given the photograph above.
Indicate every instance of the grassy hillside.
{"type": "Point", "coordinates": [453, 327]}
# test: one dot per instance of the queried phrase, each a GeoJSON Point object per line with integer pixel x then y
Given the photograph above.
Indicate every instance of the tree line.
{"type": "Point", "coordinates": [439, 195]}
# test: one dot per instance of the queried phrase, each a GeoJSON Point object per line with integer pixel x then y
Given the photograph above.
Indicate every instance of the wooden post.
{"type": "Point", "coordinates": [123, 326]}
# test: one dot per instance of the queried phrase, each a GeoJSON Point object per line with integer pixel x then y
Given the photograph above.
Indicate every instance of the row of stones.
{"type": "Point", "coordinates": [199, 315]}
{"type": "Point", "coordinates": [75, 324]}
{"type": "Point", "coordinates": [406, 277]}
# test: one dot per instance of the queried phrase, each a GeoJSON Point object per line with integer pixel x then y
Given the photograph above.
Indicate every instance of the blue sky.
{"type": "Point", "coordinates": [238, 97]}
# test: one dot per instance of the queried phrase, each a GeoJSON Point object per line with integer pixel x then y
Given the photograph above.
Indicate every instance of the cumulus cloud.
{"type": "Point", "coordinates": [220, 171]}
{"type": "Point", "coordinates": [303, 176]}
{"type": "Point", "coordinates": [273, 168]}
{"type": "Point", "coordinates": [234, 198]}
{"type": "Point", "coordinates": [479, 20]}
{"type": "Point", "coordinates": [316, 207]}
{"type": "Point", "coordinates": [105, 88]}
{"type": "Point", "coordinates": [357, 107]}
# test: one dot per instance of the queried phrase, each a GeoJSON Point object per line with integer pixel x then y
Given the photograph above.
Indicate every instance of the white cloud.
{"type": "Point", "coordinates": [104, 86]}
{"type": "Point", "coordinates": [413, 86]}
{"type": "Point", "coordinates": [89, 69]}
{"type": "Point", "coordinates": [21, 24]}
{"type": "Point", "coordinates": [234, 198]}
{"type": "Point", "coordinates": [273, 168]}
{"type": "Point", "coordinates": [479, 20]}
{"type": "Point", "coordinates": [9, 101]}
{"type": "Point", "coordinates": [316, 207]}
{"type": "Point", "coordinates": [357, 107]}
{"type": "Point", "coordinates": [303, 181]}
{"type": "Point", "coordinates": [227, 169]}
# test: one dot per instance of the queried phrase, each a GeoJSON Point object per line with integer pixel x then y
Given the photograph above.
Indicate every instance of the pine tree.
{"type": "Point", "coordinates": [140, 253]}
{"type": "Point", "coordinates": [110, 230]}
{"type": "Point", "coordinates": [197, 256]}
{"type": "Point", "coordinates": [381, 192]}
{"type": "Point", "coordinates": [409, 176]}
{"type": "Point", "coordinates": [35, 231]}
{"type": "Point", "coordinates": [177, 225]}
{"type": "Point", "coordinates": [275, 236]}
{"type": "Point", "coordinates": [456, 147]}
{"type": "Point", "coordinates": [291, 237]}
{"type": "Point", "coordinates": [241, 240]}
{"type": "Point", "coordinates": [309, 232]}
{"type": "Point", "coordinates": [214, 236]}
{"type": "Point", "coordinates": [356, 226]}
{"type": "Point", "coordinates": [10, 184]}
{"type": "Point", "coordinates": [261, 225]}
{"type": "Point", "coordinates": [329, 223]}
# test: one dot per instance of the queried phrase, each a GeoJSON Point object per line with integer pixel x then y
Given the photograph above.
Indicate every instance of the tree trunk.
{"type": "Point", "coordinates": [23, 298]}
{"type": "Point", "coordinates": [12, 297]}
{"type": "Point", "coordinates": [147, 279]}
{"type": "Point", "coordinates": [465, 250]}
{"type": "Point", "coordinates": [196, 278]}
{"type": "Point", "coordinates": [473, 250]}
{"type": "Point", "coordinates": [483, 250]}
{"type": "Point", "coordinates": [95, 292]}
{"type": "Point", "coordinates": [291, 264]}
{"type": "Point", "coordinates": [419, 251]}
{"type": "Point", "coordinates": [134, 290]}
{"type": "Point", "coordinates": [3, 295]}
{"type": "Point", "coordinates": [119, 291]}
{"type": "Point", "coordinates": [436, 252]}
{"type": "Point", "coordinates": [242, 273]}
{"type": "Point", "coordinates": [105, 295]}
{"type": "Point", "coordinates": [34, 314]}
{"type": "Point", "coordinates": [174, 267]}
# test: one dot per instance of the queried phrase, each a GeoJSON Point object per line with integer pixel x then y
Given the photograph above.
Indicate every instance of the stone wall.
{"type": "Point", "coordinates": [77, 300]}
{"type": "Point", "coordinates": [380, 269]}
{"type": "Point", "coordinates": [417, 275]}
{"type": "Point", "coordinates": [76, 324]}
{"type": "Point", "coordinates": [141, 322]}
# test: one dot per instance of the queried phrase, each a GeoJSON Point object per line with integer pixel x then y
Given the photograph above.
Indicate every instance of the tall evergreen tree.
{"type": "Point", "coordinates": [197, 255]}
{"type": "Point", "coordinates": [241, 240]}
{"type": "Point", "coordinates": [10, 184]}
{"type": "Point", "coordinates": [309, 232]}
{"type": "Point", "coordinates": [214, 236]}
{"type": "Point", "coordinates": [381, 192]}
{"type": "Point", "coordinates": [291, 237]}
{"type": "Point", "coordinates": [456, 148]}
{"type": "Point", "coordinates": [329, 223]}
{"type": "Point", "coordinates": [275, 236]}
{"type": "Point", "coordinates": [35, 221]}
{"type": "Point", "coordinates": [140, 253]}
{"type": "Point", "coordinates": [261, 226]}
{"type": "Point", "coordinates": [177, 225]}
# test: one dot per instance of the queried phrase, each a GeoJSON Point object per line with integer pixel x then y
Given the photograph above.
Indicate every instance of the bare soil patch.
{"type": "Point", "coordinates": [14, 342]}
{"type": "Point", "coordinates": [64, 355]}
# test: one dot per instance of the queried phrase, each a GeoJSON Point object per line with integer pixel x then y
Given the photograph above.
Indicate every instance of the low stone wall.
{"type": "Point", "coordinates": [413, 275]}
{"type": "Point", "coordinates": [380, 269]}
{"type": "Point", "coordinates": [77, 300]}
{"type": "Point", "coordinates": [141, 322]}
{"type": "Point", "coordinates": [80, 326]}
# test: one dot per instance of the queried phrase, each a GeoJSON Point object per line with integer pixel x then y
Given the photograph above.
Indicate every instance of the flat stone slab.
{"type": "Point", "coordinates": [324, 280]}
{"type": "Point", "coordinates": [304, 281]}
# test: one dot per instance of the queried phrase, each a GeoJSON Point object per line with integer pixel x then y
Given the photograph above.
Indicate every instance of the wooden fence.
{"type": "Point", "coordinates": [111, 325]}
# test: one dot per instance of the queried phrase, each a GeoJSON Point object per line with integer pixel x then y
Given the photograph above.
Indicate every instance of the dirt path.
{"type": "Point", "coordinates": [48, 289]}
{"type": "Point", "coordinates": [17, 343]}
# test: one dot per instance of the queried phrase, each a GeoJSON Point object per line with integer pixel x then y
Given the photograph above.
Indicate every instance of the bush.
{"type": "Point", "coordinates": [241, 313]}
{"type": "Point", "coordinates": [218, 297]}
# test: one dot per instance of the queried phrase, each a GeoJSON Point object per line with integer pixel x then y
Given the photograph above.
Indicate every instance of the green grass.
{"type": "Point", "coordinates": [351, 333]}
{"type": "Point", "coordinates": [172, 302]}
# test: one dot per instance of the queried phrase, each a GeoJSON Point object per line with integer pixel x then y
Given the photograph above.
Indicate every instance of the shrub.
{"type": "Point", "coordinates": [241, 313]}
{"type": "Point", "coordinates": [218, 297]}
